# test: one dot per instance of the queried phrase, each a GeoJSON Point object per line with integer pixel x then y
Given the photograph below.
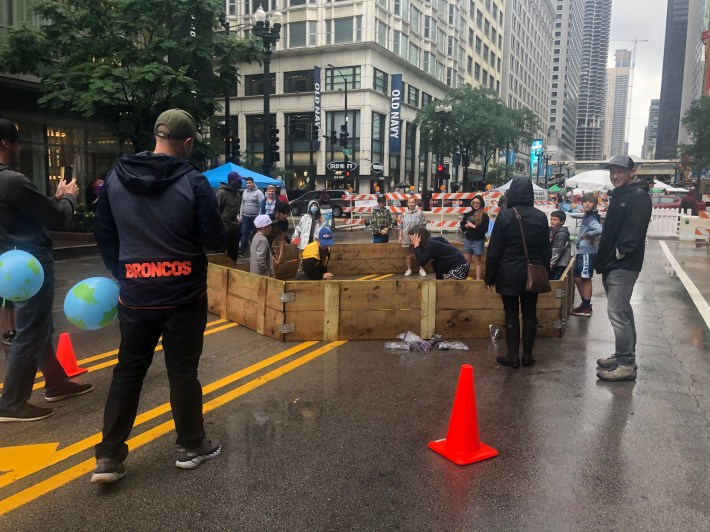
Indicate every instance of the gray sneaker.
{"type": "Point", "coordinates": [610, 362]}
{"type": "Point", "coordinates": [191, 458]}
{"type": "Point", "coordinates": [618, 373]}
{"type": "Point", "coordinates": [108, 471]}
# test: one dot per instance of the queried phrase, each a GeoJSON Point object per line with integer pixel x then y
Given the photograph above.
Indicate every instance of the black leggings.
{"type": "Point", "coordinates": [528, 303]}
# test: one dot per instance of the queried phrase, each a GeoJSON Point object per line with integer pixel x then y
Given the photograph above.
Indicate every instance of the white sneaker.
{"type": "Point", "coordinates": [408, 273]}
{"type": "Point", "coordinates": [422, 272]}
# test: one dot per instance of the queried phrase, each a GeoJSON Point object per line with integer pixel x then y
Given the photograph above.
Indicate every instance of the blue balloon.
{"type": "Point", "coordinates": [21, 275]}
{"type": "Point", "coordinates": [92, 303]}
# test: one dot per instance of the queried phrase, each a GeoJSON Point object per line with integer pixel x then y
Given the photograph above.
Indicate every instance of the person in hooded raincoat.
{"type": "Point", "coordinates": [506, 267]}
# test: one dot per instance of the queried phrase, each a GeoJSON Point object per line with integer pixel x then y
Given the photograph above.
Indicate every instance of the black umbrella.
{"type": "Point", "coordinates": [403, 185]}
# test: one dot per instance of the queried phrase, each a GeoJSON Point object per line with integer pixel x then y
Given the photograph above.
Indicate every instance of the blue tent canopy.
{"type": "Point", "coordinates": [219, 175]}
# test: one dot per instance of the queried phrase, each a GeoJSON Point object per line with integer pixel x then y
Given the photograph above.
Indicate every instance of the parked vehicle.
{"type": "Point", "coordinates": [673, 202]}
{"type": "Point", "coordinates": [299, 205]}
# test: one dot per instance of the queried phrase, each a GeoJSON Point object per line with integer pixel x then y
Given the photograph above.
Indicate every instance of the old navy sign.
{"type": "Point", "coordinates": [395, 114]}
{"type": "Point", "coordinates": [315, 133]}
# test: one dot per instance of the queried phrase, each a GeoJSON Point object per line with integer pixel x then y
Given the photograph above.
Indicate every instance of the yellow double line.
{"type": "Point", "coordinates": [52, 483]}
{"type": "Point", "coordinates": [114, 352]}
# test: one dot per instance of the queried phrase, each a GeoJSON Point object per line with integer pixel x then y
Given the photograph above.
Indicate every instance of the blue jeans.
{"type": "Point", "coordinates": [619, 285]}
{"type": "Point", "coordinates": [33, 347]}
{"type": "Point", "coordinates": [182, 329]}
{"type": "Point", "coordinates": [247, 228]}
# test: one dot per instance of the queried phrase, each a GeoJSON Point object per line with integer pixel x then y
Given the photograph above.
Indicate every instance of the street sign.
{"type": "Point", "coordinates": [347, 151]}
{"type": "Point", "coordinates": [340, 166]}
{"type": "Point", "coordinates": [377, 167]}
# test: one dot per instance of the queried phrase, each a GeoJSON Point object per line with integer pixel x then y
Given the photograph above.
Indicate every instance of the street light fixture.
{"type": "Point", "coordinates": [227, 115]}
{"type": "Point", "coordinates": [269, 29]}
{"type": "Point", "coordinates": [344, 128]}
{"type": "Point", "coordinates": [442, 111]}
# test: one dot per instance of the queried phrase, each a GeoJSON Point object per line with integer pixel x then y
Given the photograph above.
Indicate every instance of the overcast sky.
{"type": "Point", "coordinates": [645, 19]}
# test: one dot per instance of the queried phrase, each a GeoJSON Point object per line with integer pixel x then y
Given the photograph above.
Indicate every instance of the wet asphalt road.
{"type": "Point", "coordinates": [340, 441]}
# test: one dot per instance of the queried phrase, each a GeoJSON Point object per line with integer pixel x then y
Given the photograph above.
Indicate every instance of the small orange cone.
{"type": "Point", "coordinates": [65, 355]}
{"type": "Point", "coordinates": [462, 445]}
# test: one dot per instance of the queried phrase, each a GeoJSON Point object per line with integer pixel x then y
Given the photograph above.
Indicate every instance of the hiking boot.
{"type": "Point", "coordinates": [70, 390]}
{"type": "Point", "coordinates": [108, 470]}
{"type": "Point", "coordinates": [28, 412]}
{"type": "Point", "coordinates": [8, 337]}
{"type": "Point", "coordinates": [191, 458]}
{"type": "Point", "coordinates": [610, 362]}
{"type": "Point", "coordinates": [422, 272]}
{"type": "Point", "coordinates": [408, 273]}
{"type": "Point", "coordinates": [618, 373]}
{"type": "Point", "coordinates": [581, 311]}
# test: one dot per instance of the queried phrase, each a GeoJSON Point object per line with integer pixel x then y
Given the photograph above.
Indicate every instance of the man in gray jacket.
{"type": "Point", "coordinates": [249, 210]}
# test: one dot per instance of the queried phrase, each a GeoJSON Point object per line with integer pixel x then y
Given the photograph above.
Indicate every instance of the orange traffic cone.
{"type": "Point", "coordinates": [65, 355]}
{"type": "Point", "coordinates": [462, 445]}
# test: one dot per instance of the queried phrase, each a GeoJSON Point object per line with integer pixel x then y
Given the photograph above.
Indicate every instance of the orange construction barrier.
{"type": "Point", "coordinates": [65, 355]}
{"type": "Point", "coordinates": [462, 444]}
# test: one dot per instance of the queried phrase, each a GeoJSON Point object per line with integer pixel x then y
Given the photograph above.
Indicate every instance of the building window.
{"type": "Point", "coordinates": [334, 81]}
{"type": "Point", "coordinates": [427, 63]}
{"type": "Point", "coordinates": [426, 100]}
{"type": "Point", "coordinates": [415, 21]}
{"type": "Point", "coordinates": [396, 41]}
{"type": "Point", "coordinates": [298, 81]}
{"type": "Point", "coordinates": [451, 46]}
{"type": "Point", "coordinates": [382, 32]}
{"type": "Point", "coordinates": [381, 81]}
{"type": "Point", "coordinates": [478, 45]}
{"type": "Point", "coordinates": [378, 137]}
{"type": "Point", "coordinates": [479, 19]}
{"type": "Point", "coordinates": [477, 72]}
{"type": "Point", "coordinates": [414, 55]}
{"type": "Point", "coordinates": [232, 8]}
{"type": "Point", "coordinates": [487, 28]}
{"type": "Point", "coordinates": [469, 65]}
{"type": "Point", "coordinates": [413, 96]}
{"type": "Point", "coordinates": [297, 34]}
{"type": "Point", "coordinates": [254, 85]}
{"type": "Point", "coordinates": [343, 30]}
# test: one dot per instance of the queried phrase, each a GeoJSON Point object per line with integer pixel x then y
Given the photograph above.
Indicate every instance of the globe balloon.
{"type": "Point", "coordinates": [21, 275]}
{"type": "Point", "coordinates": [92, 303]}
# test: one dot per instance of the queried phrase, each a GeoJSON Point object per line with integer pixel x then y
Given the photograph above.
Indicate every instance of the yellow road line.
{"type": "Point", "coordinates": [114, 361]}
{"type": "Point", "coordinates": [382, 277]}
{"type": "Point", "coordinates": [366, 277]}
{"type": "Point", "coordinates": [92, 440]}
{"type": "Point", "coordinates": [72, 473]}
{"type": "Point", "coordinates": [107, 354]}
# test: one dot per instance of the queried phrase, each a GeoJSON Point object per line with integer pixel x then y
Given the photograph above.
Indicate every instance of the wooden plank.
{"type": "Point", "coordinates": [467, 323]}
{"type": "Point", "coordinates": [216, 289]}
{"type": "Point", "coordinates": [244, 311]}
{"type": "Point", "coordinates": [308, 295]}
{"type": "Point", "coordinates": [308, 325]}
{"type": "Point", "coordinates": [465, 295]}
{"type": "Point", "coordinates": [377, 324]}
{"type": "Point", "coordinates": [380, 295]}
{"type": "Point", "coordinates": [272, 320]}
{"type": "Point", "coordinates": [331, 314]}
{"type": "Point", "coordinates": [261, 299]}
{"type": "Point", "coordinates": [427, 322]}
{"type": "Point", "coordinates": [244, 284]}
{"type": "Point", "coordinates": [358, 267]}
{"type": "Point", "coordinates": [275, 288]}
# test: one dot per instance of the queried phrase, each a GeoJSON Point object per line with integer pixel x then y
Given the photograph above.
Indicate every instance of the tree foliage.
{"type": "Point", "coordinates": [478, 125]}
{"type": "Point", "coordinates": [125, 61]}
{"type": "Point", "coordinates": [697, 122]}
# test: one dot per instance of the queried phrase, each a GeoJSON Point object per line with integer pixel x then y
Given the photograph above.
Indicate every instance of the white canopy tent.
{"type": "Point", "coordinates": [504, 188]}
{"type": "Point", "coordinates": [592, 180]}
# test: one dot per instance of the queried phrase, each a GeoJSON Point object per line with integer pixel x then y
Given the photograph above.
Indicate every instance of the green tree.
{"type": "Point", "coordinates": [124, 62]}
{"type": "Point", "coordinates": [697, 122]}
{"type": "Point", "coordinates": [499, 174]}
{"type": "Point", "coordinates": [478, 125]}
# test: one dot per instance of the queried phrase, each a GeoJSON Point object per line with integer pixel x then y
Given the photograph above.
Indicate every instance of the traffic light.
{"type": "Point", "coordinates": [274, 144]}
{"type": "Point", "coordinates": [333, 137]}
{"type": "Point", "coordinates": [236, 149]}
{"type": "Point", "coordinates": [347, 174]}
{"type": "Point", "coordinates": [440, 171]}
{"type": "Point", "coordinates": [344, 135]}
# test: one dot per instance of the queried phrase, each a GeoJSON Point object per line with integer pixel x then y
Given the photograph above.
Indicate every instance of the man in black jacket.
{"type": "Point", "coordinates": [619, 260]}
{"type": "Point", "coordinates": [25, 215]}
{"type": "Point", "coordinates": [155, 213]}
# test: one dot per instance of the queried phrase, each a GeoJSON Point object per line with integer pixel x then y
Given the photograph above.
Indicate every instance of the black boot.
{"type": "Point", "coordinates": [512, 340]}
{"type": "Point", "coordinates": [529, 332]}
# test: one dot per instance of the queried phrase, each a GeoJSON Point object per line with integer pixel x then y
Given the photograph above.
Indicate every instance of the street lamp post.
{"type": "Point", "coordinates": [547, 158]}
{"type": "Point", "coordinates": [442, 112]}
{"type": "Point", "coordinates": [227, 116]}
{"type": "Point", "coordinates": [344, 127]}
{"type": "Point", "coordinates": [269, 31]}
{"type": "Point", "coordinates": [561, 164]}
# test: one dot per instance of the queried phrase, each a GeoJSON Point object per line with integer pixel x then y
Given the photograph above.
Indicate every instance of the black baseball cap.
{"type": "Point", "coordinates": [8, 130]}
{"type": "Point", "coordinates": [623, 161]}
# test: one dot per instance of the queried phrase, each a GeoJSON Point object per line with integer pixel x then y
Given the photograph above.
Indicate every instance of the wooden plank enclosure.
{"type": "Point", "coordinates": [368, 309]}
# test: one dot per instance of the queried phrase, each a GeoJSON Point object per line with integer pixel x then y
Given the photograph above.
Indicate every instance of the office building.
{"type": "Point", "coordinates": [651, 132]}
{"type": "Point", "coordinates": [682, 75]}
{"type": "Point", "coordinates": [593, 86]}
{"type": "Point", "coordinates": [527, 63]}
{"type": "Point", "coordinates": [565, 79]}
{"type": "Point", "coordinates": [372, 45]}
{"type": "Point", "coordinates": [618, 79]}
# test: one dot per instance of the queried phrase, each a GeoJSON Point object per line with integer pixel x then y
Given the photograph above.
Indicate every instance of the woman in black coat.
{"type": "Point", "coordinates": [506, 267]}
